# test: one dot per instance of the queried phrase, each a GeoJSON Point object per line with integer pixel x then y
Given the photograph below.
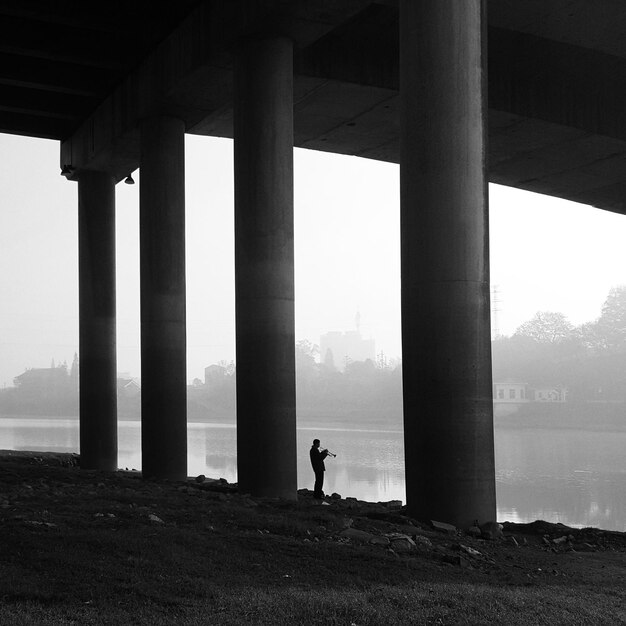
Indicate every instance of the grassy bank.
{"type": "Point", "coordinates": [81, 547]}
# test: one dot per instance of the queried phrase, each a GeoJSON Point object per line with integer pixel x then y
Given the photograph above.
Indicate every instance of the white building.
{"type": "Point", "coordinates": [338, 349]}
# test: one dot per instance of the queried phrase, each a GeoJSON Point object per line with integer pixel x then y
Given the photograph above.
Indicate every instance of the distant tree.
{"type": "Point", "coordinates": [611, 326]}
{"type": "Point", "coordinates": [306, 353]}
{"type": "Point", "coordinates": [307, 369]}
{"type": "Point", "coordinates": [381, 361]}
{"type": "Point", "coordinates": [517, 358]}
{"type": "Point", "coordinates": [74, 369]}
{"type": "Point", "coordinates": [229, 367]}
{"type": "Point", "coordinates": [546, 327]}
{"type": "Point", "coordinates": [361, 370]}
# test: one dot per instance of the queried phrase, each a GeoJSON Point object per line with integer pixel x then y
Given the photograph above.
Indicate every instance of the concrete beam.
{"type": "Point", "coordinates": [558, 77]}
{"type": "Point", "coordinates": [189, 76]}
{"type": "Point", "coordinates": [97, 352]}
{"type": "Point", "coordinates": [163, 322]}
{"type": "Point", "coordinates": [446, 347]}
{"type": "Point", "coordinates": [264, 270]}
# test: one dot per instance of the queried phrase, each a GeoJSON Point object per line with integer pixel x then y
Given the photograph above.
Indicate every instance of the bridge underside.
{"type": "Point", "coordinates": [404, 82]}
{"type": "Point", "coordinates": [86, 72]}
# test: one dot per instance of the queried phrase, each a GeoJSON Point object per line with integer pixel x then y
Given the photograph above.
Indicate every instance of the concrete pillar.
{"type": "Point", "coordinates": [97, 358]}
{"type": "Point", "coordinates": [448, 414]}
{"type": "Point", "coordinates": [163, 329]}
{"type": "Point", "coordinates": [264, 270]}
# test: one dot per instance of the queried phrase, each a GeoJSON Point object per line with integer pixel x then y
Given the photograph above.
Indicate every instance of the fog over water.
{"type": "Point", "coordinates": [546, 254]}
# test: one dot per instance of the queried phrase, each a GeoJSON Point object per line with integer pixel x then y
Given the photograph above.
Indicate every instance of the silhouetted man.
{"type": "Point", "coordinates": [317, 461]}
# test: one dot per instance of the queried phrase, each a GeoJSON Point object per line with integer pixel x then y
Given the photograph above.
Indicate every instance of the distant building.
{"type": "Point", "coordinates": [337, 349]}
{"type": "Point", "coordinates": [550, 394]}
{"type": "Point", "coordinates": [214, 375]}
{"type": "Point", "coordinates": [41, 379]}
{"type": "Point", "coordinates": [127, 387]}
{"type": "Point", "coordinates": [510, 391]}
{"type": "Point", "coordinates": [510, 395]}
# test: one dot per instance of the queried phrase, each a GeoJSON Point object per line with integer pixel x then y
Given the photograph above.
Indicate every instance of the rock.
{"type": "Point", "coordinates": [560, 540]}
{"type": "Point", "coordinates": [443, 527]}
{"type": "Point", "coordinates": [380, 541]}
{"type": "Point", "coordinates": [405, 544]}
{"type": "Point", "coordinates": [491, 530]}
{"type": "Point", "coordinates": [474, 531]}
{"type": "Point", "coordinates": [335, 496]}
{"type": "Point", "coordinates": [155, 518]}
{"type": "Point", "coordinates": [201, 478]}
{"type": "Point", "coordinates": [393, 504]}
{"type": "Point", "coordinates": [422, 542]}
{"type": "Point", "coordinates": [360, 536]}
{"type": "Point", "coordinates": [475, 554]}
{"type": "Point", "coordinates": [407, 529]}
{"type": "Point", "coordinates": [458, 560]}
{"type": "Point", "coordinates": [394, 536]}
{"type": "Point", "coordinates": [513, 541]}
{"type": "Point", "coordinates": [401, 542]}
{"type": "Point", "coordinates": [347, 522]}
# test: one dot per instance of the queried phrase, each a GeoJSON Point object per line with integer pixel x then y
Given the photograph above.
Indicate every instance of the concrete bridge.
{"type": "Point", "coordinates": [528, 94]}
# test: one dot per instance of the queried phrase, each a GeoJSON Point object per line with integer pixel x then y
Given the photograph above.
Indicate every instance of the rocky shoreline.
{"type": "Point", "coordinates": [49, 508]}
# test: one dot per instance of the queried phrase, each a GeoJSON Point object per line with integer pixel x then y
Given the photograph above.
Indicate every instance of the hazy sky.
{"type": "Point", "coordinates": [546, 254]}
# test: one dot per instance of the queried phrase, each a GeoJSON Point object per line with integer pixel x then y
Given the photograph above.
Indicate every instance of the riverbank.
{"type": "Point", "coordinates": [83, 547]}
{"type": "Point", "coordinates": [592, 416]}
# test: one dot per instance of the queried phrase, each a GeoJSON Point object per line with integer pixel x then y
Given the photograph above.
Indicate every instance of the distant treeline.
{"type": "Point", "coordinates": [366, 391]}
{"type": "Point", "coordinates": [43, 391]}
{"type": "Point", "coordinates": [588, 360]}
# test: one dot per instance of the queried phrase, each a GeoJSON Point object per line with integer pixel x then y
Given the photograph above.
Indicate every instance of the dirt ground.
{"type": "Point", "coordinates": [93, 547]}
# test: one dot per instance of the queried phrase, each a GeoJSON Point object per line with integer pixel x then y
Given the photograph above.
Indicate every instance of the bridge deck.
{"type": "Point", "coordinates": [84, 73]}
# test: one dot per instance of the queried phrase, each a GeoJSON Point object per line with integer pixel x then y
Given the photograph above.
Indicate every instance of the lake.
{"type": "Point", "coordinates": [574, 477]}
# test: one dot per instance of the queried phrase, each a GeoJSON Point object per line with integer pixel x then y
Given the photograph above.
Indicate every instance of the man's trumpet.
{"type": "Point", "coordinates": [329, 453]}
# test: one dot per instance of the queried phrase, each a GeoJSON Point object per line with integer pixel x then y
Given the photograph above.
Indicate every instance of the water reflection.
{"type": "Point", "coordinates": [41, 434]}
{"type": "Point", "coordinates": [577, 478]}
{"type": "Point", "coordinates": [369, 464]}
{"type": "Point", "coordinates": [573, 477]}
